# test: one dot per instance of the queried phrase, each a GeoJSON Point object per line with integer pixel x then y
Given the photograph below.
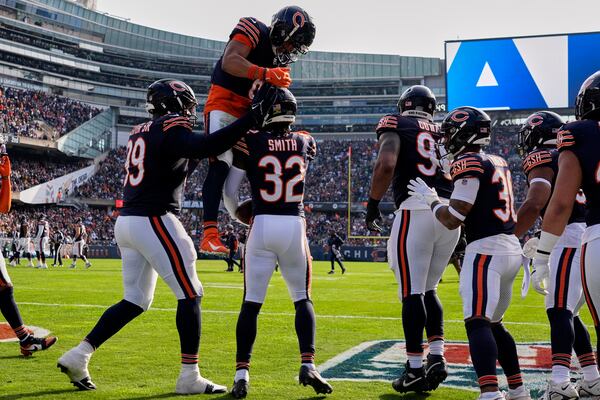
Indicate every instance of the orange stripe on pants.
{"type": "Point", "coordinates": [480, 285]}
{"type": "Point", "coordinates": [562, 282]}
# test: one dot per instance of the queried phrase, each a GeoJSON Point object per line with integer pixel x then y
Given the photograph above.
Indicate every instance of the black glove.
{"type": "Point", "coordinates": [373, 215]}
{"type": "Point", "coordinates": [262, 102]}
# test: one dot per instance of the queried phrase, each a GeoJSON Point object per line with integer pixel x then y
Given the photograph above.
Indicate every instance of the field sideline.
{"type": "Point", "coordinates": [142, 361]}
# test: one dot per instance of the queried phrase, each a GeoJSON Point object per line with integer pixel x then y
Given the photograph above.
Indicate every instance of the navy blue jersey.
{"type": "Point", "coordinates": [549, 159]}
{"type": "Point", "coordinates": [24, 230]}
{"type": "Point", "coordinates": [276, 168]}
{"type": "Point", "coordinates": [493, 212]}
{"type": "Point", "coordinates": [335, 241]}
{"type": "Point", "coordinates": [417, 140]}
{"type": "Point", "coordinates": [79, 233]}
{"type": "Point", "coordinates": [583, 139]}
{"type": "Point", "coordinates": [157, 161]}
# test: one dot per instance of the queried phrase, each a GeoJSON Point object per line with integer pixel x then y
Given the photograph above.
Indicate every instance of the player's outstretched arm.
{"type": "Point", "coordinates": [6, 190]}
{"type": "Point", "coordinates": [538, 194]}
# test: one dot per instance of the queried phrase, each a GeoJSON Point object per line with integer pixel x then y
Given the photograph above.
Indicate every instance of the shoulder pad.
{"type": "Point", "coordinates": [176, 121]}
{"type": "Point", "coordinates": [566, 136]}
{"type": "Point", "coordinates": [467, 166]}
{"type": "Point", "coordinates": [250, 27]}
{"type": "Point", "coordinates": [387, 123]}
{"type": "Point", "coordinates": [535, 159]}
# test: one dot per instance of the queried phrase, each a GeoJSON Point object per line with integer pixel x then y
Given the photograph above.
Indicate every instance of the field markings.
{"type": "Point", "coordinates": [276, 314]}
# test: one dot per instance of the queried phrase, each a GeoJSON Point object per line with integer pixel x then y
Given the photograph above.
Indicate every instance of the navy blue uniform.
{"type": "Point", "coordinates": [276, 167]}
{"type": "Point", "coordinates": [417, 140]}
{"type": "Point", "coordinates": [157, 161]}
{"type": "Point", "coordinates": [583, 139]}
{"type": "Point", "coordinates": [493, 212]}
{"type": "Point", "coordinates": [549, 159]}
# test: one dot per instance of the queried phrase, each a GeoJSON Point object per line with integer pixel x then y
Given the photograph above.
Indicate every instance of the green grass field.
{"type": "Point", "coordinates": [142, 361]}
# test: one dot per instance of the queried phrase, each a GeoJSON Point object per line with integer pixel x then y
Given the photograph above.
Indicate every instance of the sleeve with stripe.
{"type": "Point", "coordinates": [565, 139]}
{"type": "Point", "coordinates": [246, 31]}
{"type": "Point", "coordinates": [387, 123]}
{"type": "Point", "coordinates": [469, 166]}
{"type": "Point", "coordinates": [536, 159]}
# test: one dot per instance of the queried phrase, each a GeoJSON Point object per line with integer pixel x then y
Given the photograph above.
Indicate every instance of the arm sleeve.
{"type": "Point", "coordinates": [467, 167]}
{"type": "Point", "coordinates": [231, 189]}
{"type": "Point", "coordinates": [387, 123]}
{"type": "Point", "coordinates": [466, 190]}
{"type": "Point", "coordinates": [565, 140]}
{"type": "Point", "coordinates": [537, 159]}
{"type": "Point", "coordinates": [246, 27]}
{"type": "Point", "coordinates": [181, 142]}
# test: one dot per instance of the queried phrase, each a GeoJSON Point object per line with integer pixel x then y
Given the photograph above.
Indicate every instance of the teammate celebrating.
{"type": "Point", "coordinates": [482, 199]}
{"type": "Point", "coordinates": [275, 161]}
{"type": "Point", "coordinates": [79, 237]}
{"type": "Point", "coordinates": [419, 247]}
{"type": "Point", "coordinates": [150, 237]}
{"type": "Point", "coordinates": [578, 167]}
{"type": "Point", "coordinates": [41, 241]}
{"type": "Point", "coordinates": [255, 52]}
{"type": "Point", "coordinates": [564, 293]}
{"type": "Point", "coordinates": [8, 306]}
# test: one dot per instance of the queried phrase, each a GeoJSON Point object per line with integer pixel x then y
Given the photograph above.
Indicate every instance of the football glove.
{"type": "Point", "coordinates": [540, 274]}
{"type": "Point", "coordinates": [5, 167]}
{"type": "Point", "coordinates": [262, 102]}
{"type": "Point", "coordinates": [530, 247]}
{"type": "Point", "coordinates": [373, 217]}
{"type": "Point", "coordinates": [278, 76]}
{"type": "Point", "coordinates": [421, 191]}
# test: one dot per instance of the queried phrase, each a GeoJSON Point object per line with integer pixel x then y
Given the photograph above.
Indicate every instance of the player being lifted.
{"type": "Point", "coordinates": [150, 237]}
{"type": "Point", "coordinates": [41, 241]}
{"type": "Point", "coordinates": [420, 246]}
{"type": "Point", "coordinates": [275, 161]}
{"type": "Point", "coordinates": [79, 237]}
{"type": "Point", "coordinates": [482, 199]}
{"type": "Point", "coordinates": [578, 167]}
{"type": "Point", "coordinates": [564, 293]}
{"type": "Point", "coordinates": [8, 306]}
{"type": "Point", "coordinates": [255, 52]}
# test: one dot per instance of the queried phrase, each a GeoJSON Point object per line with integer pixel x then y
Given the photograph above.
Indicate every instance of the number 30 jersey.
{"type": "Point", "coordinates": [417, 142]}
{"type": "Point", "coordinates": [493, 212]}
{"type": "Point", "coordinates": [276, 167]}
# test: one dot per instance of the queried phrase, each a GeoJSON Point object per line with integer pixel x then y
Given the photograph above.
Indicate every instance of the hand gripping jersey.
{"type": "Point", "coordinates": [549, 158]}
{"type": "Point", "coordinates": [276, 167]}
{"type": "Point", "coordinates": [583, 139]}
{"type": "Point", "coordinates": [493, 212]}
{"type": "Point", "coordinates": [417, 142]}
{"type": "Point", "coordinates": [229, 93]}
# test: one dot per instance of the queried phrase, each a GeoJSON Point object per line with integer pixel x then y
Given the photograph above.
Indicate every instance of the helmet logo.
{"type": "Point", "coordinates": [298, 19]}
{"type": "Point", "coordinates": [459, 116]}
{"type": "Point", "coordinates": [535, 120]}
{"type": "Point", "coordinates": [177, 86]}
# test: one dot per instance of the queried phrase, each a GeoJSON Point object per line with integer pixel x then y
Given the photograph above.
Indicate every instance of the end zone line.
{"type": "Point", "coordinates": [278, 314]}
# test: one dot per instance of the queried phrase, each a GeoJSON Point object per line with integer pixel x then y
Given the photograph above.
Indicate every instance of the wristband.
{"type": "Point", "coordinates": [434, 205]}
{"type": "Point", "coordinates": [456, 214]}
{"type": "Point", "coordinates": [373, 203]}
{"type": "Point", "coordinates": [546, 244]}
{"type": "Point", "coordinates": [256, 72]}
{"type": "Point", "coordinates": [437, 206]}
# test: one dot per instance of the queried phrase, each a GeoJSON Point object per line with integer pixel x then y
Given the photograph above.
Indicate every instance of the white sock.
{"type": "Point", "coordinates": [590, 373]}
{"type": "Point", "coordinates": [242, 374]}
{"type": "Point", "coordinates": [436, 348]}
{"type": "Point", "coordinates": [490, 395]}
{"type": "Point", "coordinates": [560, 374]}
{"type": "Point", "coordinates": [188, 368]}
{"type": "Point", "coordinates": [85, 348]}
{"type": "Point", "coordinates": [415, 361]}
{"type": "Point", "coordinates": [310, 365]}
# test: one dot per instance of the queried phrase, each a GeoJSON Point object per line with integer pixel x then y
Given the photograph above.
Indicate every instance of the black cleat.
{"type": "Point", "coordinates": [312, 377]}
{"type": "Point", "coordinates": [33, 344]}
{"type": "Point", "coordinates": [343, 271]}
{"type": "Point", "coordinates": [82, 384]}
{"type": "Point", "coordinates": [331, 272]}
{"type": "Point", "coordinates": [240, 389]}
{"type": "Point", "coordinates": [436, 371]}
{"type": "Point", "coordinates": [411, 380]}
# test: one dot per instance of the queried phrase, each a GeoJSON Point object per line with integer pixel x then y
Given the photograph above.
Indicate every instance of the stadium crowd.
{"type": "Point", "coordinates": [28, 172]}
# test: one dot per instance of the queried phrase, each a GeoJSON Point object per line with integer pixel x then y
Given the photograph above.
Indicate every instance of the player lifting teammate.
{"type": "Point", "coordinates": [420, 246]}
{"type": "Point", "coordinates": [578, 167]}
{"type": "Point", "coordinates": [482, 199]}
{"type": "Point", "coordinates": [255, 53]}
{"type": "Point", "coordinates": [150, 237]}
{"type": "Point", "coordinates": [564, 293]}
{"type": "Point", "coordinates": [275, 161]}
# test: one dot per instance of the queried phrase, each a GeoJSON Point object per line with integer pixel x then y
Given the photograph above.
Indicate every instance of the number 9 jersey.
{"type": "Point", "coordinates": [417, 145]}
{"type": "Point", "coordinates": [276, 167]}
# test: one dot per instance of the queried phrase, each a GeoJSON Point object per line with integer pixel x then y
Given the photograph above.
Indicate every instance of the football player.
{"type": "Point", "coordinates": [14, 246]}
{"type": "Point", "coordinates": [255, 53]}
{"type": "Point", "coordinates": [275, 160]}
{"type": "Point", "coordinates": [8, 307]}
{"type": "Point", "coordinates": [335, 243]}
{"type": "Point", "coordinates": [151, 239]}
{"type": "Point", "coordinates": [564, 293]}
{"type": "Point", "coordinates": [24, 240]}
{"type": "Point", "coordinates": [79, 237]}
{"type": "Point", "coordinates": [420, 246]}
{"type": "Point", "coordinates": [482, 200]}
{"type": "Point", "coordinates": [578, 167]}
{"type": "Point", "coordinates": [41, 241]}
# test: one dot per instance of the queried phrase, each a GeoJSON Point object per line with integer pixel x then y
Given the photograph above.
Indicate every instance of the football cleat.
{"type": "Point", "coordinates": [192, 383]}
{"type": "Point", "coordinates": [240, 389]}
{"type": "Point", "coordinates": [75, 365]}
{"type": "Point", "coordinates": [13, 263]}
{"type": "Point", "coordinates": [520, 393]}
{"type": "Point", "coordinates": [32, 344]}
{"type": "Point", "coordinates": [312, 377]}
{"type": "Point", "coordinates": [436, 370]}
{"type": "Point", "coordinates": [498, 396]}
{"type": "Point", "coordinates": [343, 270]}
{"type": "Point", "coordinates": [589, 388]}
{"type": "Point", "coordinates": [30, 265]}
{"type": "Point", "coordinates": [88, 264]}
{"type": "Point", "coordinates": [72, 266]}
{"type": "Point", "coordinates": [411, 380]}
{"type": "Point", "coordinates": [211, 244]}
{"type": "Point", "coordinates": [331, 272]}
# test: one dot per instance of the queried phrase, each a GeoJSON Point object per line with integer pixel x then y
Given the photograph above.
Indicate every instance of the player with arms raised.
{"type": "Point", "coordinates": [419, 247]}
{"type": "Point", "coordinates": [150, 237]}
{"type": "Point", "coordinates": [578, 167]}
{"type": "Point", "coordinates": [482, 200]}
{"type": "Point", "coordinates": [564, 293]}
{"type": "Point", "coordinates": [255, 53]}
{"type": "Point", "coordinates": [275, 161]}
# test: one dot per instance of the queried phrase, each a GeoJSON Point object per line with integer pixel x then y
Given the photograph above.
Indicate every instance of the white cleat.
{"type": "Point", "coordinates": [72, 266]}
{"type": "Point", "coordinates": [43, 266]}
{"type": "Point", "coordinates": [521, 393]}
{"type": "Point", "coordinates": [192, 383]}
{"type": "Point", "coordinates": [88, 264]}
{"type": "Point", "coordinates": [30, 265]}
{"type": "Point", "coordinates": [589, 389]}
{"type": "Point", "coordinates": [13, 263]}
{"type": "Point", "coordinates": [74, 363]}
{"type": "Point", "coordinates": [499, 396]}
